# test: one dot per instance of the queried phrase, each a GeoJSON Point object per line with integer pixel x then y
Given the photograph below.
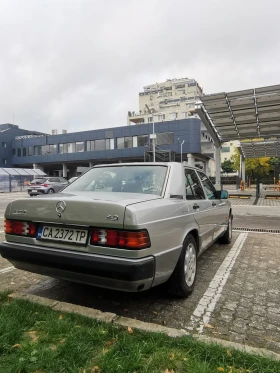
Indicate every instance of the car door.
{"type": "Point", "coordinates": [63, 183]}
{"type": "Point", "coordinates": [220, 209]}
{"type": "Point", "coordinates": [55, 184]}
{"type": "Point", "coordinates": [200, 206]}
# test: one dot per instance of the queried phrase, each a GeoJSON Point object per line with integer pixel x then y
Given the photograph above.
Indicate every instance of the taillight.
{"type": "Point", "coordinates": [46, 185]}
{"type": "Point", "coordinates": [120, 239]}
{"type": "Point", "coordinates": [21, 228]}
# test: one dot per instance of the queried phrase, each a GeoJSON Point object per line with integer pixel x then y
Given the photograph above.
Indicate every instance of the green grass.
{"type": "Point", "coordinates": [36, 339]}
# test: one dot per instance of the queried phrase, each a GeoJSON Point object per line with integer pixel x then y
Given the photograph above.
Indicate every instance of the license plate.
{"type": "Point", "coordinates": [72, 235]}
{"type": "Point", "coordinates": [34, 191]}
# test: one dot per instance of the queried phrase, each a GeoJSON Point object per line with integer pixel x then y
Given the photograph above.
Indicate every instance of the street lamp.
{"type": "Point", "coordinates": [181, 149]}
{"type": "Point", "coordinates": [154, 135]}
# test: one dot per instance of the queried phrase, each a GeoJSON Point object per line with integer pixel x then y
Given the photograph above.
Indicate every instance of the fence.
{"type": "Point", "coordinates": [17, 179]}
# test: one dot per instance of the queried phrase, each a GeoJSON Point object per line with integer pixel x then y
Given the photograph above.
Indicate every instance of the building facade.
{"type": "Point", "coordinates": [65, 154]}
{"type": "Point", "coordinates": [8, 133]}
{"type": "Point", "coordinates": [171, 100]}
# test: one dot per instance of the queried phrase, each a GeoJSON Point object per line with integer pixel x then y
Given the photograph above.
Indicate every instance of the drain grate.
{"type": "Point", "coordinates": [261, 230]}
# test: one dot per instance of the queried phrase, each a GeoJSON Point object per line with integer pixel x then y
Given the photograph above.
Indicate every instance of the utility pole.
{"type": "Point", "coordinates": [154, 135]}
{"type": "Point", "coordinates": [181, 149]}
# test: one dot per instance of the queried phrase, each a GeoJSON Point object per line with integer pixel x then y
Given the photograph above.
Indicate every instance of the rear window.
{"type": "Point", "coordinates": [38, 181]}
{"type": "Point", "coordinates": [122, 179]}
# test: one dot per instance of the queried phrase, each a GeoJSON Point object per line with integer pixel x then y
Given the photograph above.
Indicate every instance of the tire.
{"type": "Point", "coordinates": [50, 191]}
{"type": "Point", "coordinates": [178, 285]}
{"type": "Point", "coordinates": [227, 236]}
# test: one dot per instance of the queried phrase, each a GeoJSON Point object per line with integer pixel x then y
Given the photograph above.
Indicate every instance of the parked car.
{"type": "Point", "coordinates": [128, 236]}
{"type": "Point", "coordinates": [72, 179]}
{"type": "Point", "coordinates": [46, 185]}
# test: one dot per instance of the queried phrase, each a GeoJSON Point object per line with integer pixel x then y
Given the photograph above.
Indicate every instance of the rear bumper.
{"type": "Point", "coordinates": [38, 191]}
{"type": "Point", "coordinates": [110, 272]}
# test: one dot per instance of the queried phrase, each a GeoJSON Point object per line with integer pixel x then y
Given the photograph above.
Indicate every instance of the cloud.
{"type": "Point", "coordinates": [80, 64]}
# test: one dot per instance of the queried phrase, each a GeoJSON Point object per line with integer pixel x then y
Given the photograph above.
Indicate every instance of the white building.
{"type": "Point", "coordinates": [170, 100]}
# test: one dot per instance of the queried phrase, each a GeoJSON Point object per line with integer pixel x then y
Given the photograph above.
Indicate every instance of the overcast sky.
{"type": "Point", "coordinates": [80, 64]}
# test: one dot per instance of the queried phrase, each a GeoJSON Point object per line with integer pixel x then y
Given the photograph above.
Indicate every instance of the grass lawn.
{"type": "Point", "coordinates": [36, 339]}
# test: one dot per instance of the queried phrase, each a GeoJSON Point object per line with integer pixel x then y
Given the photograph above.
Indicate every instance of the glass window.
{"type": "Point", "coordinates": [19, 152]}
{"type": "Point", "coordinates": [168, 93]}
{"type": "Point", "coordinates": [128, 142]}
{"type": "Point", "coordinates": [24, 152]}
{"type": "Point", "coordinates": [45, 149]}
{"type": "Point", "coordinates": [62, 148]}
{"type": "Point", "coordinates": [109, 144]}
{"type": "Point", "coordinates": [71, 147]}
{"type": "Point", "coordinates": [126, 179]}
{"type": "Point", "coordinates": [4, 144]}
{"type": "Point", "coordinates": [100, 144]}
{"type": "Point", "coordinates": [80, 147]}
{"type": "Point", "coordinates": [53, 149]}
{"type": "Point", "coordinates": [120, 142]}
{"type": "Point", "coordinates": [30, 150]}
{"type": "Point", "coordinates": [4, 161]}
{"type": "Point", "coordinates": [37, 150]}
{"type": "Point", "coordinates": [142, 140]}
{"type": "Point", "coordinates": [161, 117]}
{"type": "Point", "coordinates": [194, 183]}
{"type": "Point", "coordinates": [14, 151]}
{"type": "Point", "coordinates": [172, 116]}
{"type": "Point", "coordinates": [208, 186]}
{"type": "Point", "coordinates": [150, 119]}
{"type": "Point", "coordinates": [92, 147]}
{"type": "Point", "coordinates": [135, 141]}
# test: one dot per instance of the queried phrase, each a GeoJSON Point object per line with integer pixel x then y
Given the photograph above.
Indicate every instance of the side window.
{"type": "Point", "coordinates": [193, 185]}
{"type": "Point", "coordinates": [208, 186]}
{"type": "Point", "coordinates": [54, 180]}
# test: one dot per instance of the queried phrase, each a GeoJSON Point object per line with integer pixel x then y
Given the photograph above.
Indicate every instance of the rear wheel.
{"type": "Point", "coordinates": [182, 280]}
{"type": "Point", "coordinates": [227, 236]}
{"type": "Point", "coordinates": [50, 191]}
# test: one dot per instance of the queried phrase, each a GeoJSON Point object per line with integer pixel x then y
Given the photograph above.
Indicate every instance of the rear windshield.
{"type": "Point", "coordinates": [122, 179]}
{"type": "Point", "coordinates": [38, 181]}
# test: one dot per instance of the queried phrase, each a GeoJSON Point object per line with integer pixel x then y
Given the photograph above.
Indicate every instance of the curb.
{"type": "Point", "coordinates": [126, 322]}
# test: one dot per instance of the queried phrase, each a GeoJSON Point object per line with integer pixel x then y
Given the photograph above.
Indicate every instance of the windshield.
{"type": "Point", "coordinates": [122, 179]}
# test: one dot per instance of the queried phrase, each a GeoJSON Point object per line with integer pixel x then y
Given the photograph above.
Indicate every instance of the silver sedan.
{"type": "Point", "coordinates": [124, 226]}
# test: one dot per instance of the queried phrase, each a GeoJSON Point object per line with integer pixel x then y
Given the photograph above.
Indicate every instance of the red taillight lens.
{"type": "Point", "coordinates": [120, 239]}
{"type": "Point", "coordinates": [45, 185]}
{"type": "Point", "coordinates": [21, 228]}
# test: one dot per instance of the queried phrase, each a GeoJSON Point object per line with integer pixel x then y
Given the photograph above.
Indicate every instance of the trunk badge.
{"type": "Point", "coordinates": [112, 217]}
{"type": "Point", "coordinates": [60, 208]}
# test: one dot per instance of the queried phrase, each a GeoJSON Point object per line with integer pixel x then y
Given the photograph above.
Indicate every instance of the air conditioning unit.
{"type": "Point", "coordinates": [64, 131]}
{"type": "Point", "coordinates": [54, 132]}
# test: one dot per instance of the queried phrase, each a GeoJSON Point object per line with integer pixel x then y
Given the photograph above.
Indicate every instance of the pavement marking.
{"type": "Point", "coordinates": [5, 270]}
{"type": "Point", "coordinates": [1, 231]}
{"type": "Point", "coordinates": [202, 314]}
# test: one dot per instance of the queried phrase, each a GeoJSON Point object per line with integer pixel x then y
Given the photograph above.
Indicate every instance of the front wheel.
{"type": "Point", "coordinates": [182, 280]}
{"type": "Point", "coordinates": [227, 236]}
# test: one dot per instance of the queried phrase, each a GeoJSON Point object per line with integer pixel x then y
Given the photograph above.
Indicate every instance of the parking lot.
{"type": "Point", "coordinates": [236, 297]}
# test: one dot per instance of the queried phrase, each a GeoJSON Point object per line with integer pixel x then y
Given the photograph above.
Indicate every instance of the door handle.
{"type": "Point", "coordinates": [214, 204]}
{"type": "Point", "coordinates": [195, 206]}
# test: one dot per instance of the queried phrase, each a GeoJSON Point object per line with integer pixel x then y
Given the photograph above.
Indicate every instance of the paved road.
{"type": "Point", "coordinates": [237, 291]}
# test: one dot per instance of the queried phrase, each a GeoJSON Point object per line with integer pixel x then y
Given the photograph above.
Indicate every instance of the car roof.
{"type": "Point", "coordinates": [147, 164]}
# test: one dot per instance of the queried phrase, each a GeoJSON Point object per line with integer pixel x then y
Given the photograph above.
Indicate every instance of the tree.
{"type": "Point", "coordinates": [227, 166]}
{"type": "Point", "coordinates": [253, 166]}
{"type": "Point", "coordinates": [274, 161]}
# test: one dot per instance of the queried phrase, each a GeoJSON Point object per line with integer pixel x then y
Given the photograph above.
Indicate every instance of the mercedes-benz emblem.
{"type": "Point", "coordinates": [60, 207]}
